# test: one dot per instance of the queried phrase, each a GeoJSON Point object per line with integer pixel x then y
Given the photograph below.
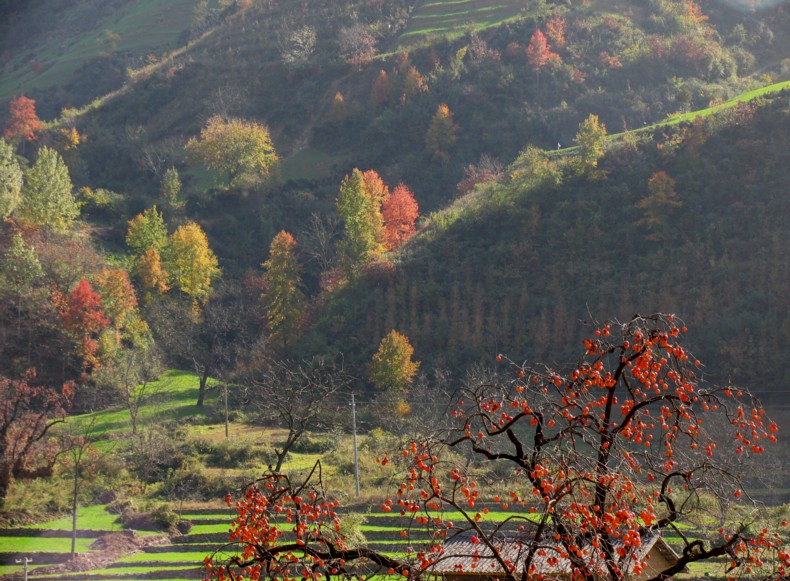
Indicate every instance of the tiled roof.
{"type": "Point", "coordinates": [465, 554]}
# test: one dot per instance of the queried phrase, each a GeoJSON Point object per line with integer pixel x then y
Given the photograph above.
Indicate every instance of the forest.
{"type": "Point", "coordinates": [241, 239]}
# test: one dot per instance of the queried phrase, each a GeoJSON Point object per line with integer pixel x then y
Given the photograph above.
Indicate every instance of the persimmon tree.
{"type": "Point", "coordinates": [27, 413]}
{"type": "Point", "coordinates": [585, 464]}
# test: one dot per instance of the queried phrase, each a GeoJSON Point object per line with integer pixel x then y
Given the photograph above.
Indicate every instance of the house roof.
{"type": "Point", "coordinates": [464, 554]}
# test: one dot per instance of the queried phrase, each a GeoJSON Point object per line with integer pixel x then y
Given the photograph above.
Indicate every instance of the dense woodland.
{"type": "Point", "coordinates": [338, 191]}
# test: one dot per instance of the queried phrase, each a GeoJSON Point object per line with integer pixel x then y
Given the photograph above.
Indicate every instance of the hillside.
{"type": "Point", "coordinates": [515, 267]}
{"type": "Point", "coordinates": [503, 266]}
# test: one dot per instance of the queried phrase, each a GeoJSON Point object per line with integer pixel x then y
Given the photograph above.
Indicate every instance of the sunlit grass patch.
{"type": "Point", "coordinates": [94, 518]}
{"type": "Point", "coordinates": [43, 545]}
{"type": "Point", "coordinates": [453, 18]}
{"type": "Point", "coordinates": [308, 164]}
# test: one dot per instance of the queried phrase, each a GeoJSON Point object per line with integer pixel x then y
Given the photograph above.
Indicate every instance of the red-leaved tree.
{"type": "Point", "coordinates": [23, 121]}
{"type": "Point", "coordinates": [399, 211]}
{"type": "Point", "coordinates": [83, 319]}
{"type": "Point", "coordinates": [539, 52]}
{"type": "Point", "coordinates": [585, 466]}
{"type": "Point", "coordinates": [27, 412]}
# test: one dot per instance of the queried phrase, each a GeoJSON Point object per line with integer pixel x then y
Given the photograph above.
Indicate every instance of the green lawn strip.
{"type": "Point", "coordinates": [123, 570]}
{"type": "Point", "coordinates": [94, 518]}
{"type": "Point", "coordinates": [691, 115]}
{"type": "Point", "coordinates": [12, 569]}
{"type": "Point", "coordinates": [196, 556]}
{"type": "Point", "coordinates": [199, 529]}
{"type": "Point", "coordinates": [43, 545]}
{"type": "Point", "coordinates": [171, 397]}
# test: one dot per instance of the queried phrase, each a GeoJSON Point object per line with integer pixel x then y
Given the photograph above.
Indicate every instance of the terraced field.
{"type": "Point", "coordinates": [452, 18]}
{"type": "Point", "coordinates": [148, 26]}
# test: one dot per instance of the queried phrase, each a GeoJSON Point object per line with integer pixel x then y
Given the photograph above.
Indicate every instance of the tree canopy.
{"type": "Point", "coordinates": [283, 299]}
{"type": "Point", "coordinates": [595, 461]}
{"type": "Point", "coordinates": [10, 179]}
{"type": "Point", "coordinates": [191, 262]}
{"type": "Point", "coordinates": [47, 199]}
{"type": "Point", "coordinates": [241, 149]}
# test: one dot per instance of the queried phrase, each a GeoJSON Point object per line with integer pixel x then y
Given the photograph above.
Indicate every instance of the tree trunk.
{"type": "Point", "coordinates": [74, 514]}
{"type": "Point", "coordinates": [202, 391]}
{"type": "Point", "coordinates": [289, 443]}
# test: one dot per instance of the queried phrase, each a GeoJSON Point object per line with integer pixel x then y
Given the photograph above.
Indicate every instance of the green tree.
{"type": "Point", "coordinates": [147, 230]}
{"type": "Point", "coordinates": [283, 300]}
{"type": "Point", "coordinates": [171, 192]}
{"type": "Point", "coordinates": [658, 205]}
{"type": "Point", "coordinates": [47, 199]}
{"type": "Point", "coordinates": [362, 221]}
{"type": "Point", "coordinates": [591, 142]}
{"type": "Point", "coordinates": [441, 133]}
{"type": "Point", "coordinates": [392, 368]}
{"type": "Point", "coordinates": [192, 263]}
{"type": "Point", "coordinates": [10, 180]}
{"type": "Point", "coordinates": [240, 149]}
{"type": "Point", "coordinates": [20, 271]}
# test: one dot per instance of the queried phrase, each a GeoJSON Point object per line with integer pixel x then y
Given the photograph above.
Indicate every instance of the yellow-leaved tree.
{"type": "Point", "coordinates": [241, 149]}
{"type": "Point", "coordinates": [191, 262]}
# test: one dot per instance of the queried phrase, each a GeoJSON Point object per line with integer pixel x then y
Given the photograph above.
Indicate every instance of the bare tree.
{"type": "Point", "coordinates": [319, 239]}
{"type": "Point", "coordinates": [297, 396]}
{"type": "Point", "coordinates": [130, 374]}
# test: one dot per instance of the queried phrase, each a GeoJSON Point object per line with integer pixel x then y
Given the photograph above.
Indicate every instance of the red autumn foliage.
{"type": "Point", "coordinates": [602, 458]}
{"type": "Point", "coordinates": [400, 211]}
{"type": "Point", "coordinates": [555, 30]}
{"type": "Point", "coordinates": [83, 318]}
{"type": "Point", "coordinates": [27, 412]}
{"type": "Point", "coordinates": [539, 52]}
{"type": "Point", "coordinates": [23, 121]}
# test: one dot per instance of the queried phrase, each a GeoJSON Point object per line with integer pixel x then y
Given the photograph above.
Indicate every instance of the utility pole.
{"type": "Point", "coordinates": [25, 560]}
{"type": "Point", "coordinates": [356, 457]}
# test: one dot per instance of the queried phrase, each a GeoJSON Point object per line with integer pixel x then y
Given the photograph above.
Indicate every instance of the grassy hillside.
{"type": "Point", "coordinates": [454, 18]}
{"type": "Point", "coordinates": [61, 45]}
{"type": "Point", "coordinates": [514, 266]}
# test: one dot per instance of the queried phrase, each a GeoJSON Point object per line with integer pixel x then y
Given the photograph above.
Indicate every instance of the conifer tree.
{"type": "Point", "coordinates": [591, 141]}
{"type": "Point", "coordinates": [23, 121]}
{"type": "Point", "coordinates": [192, 263]}
{"type": "Point", "coordinates": [399, 211]}
{"type": "Point", "coordinates": [362, 222]}
{"type": "Point", "coordinates": [147, 230]}
{"type": "Point", "coordinates": [441, 133]}
{"type": "Point", "coordinates": [392, 368]}
{"type": "Point", "coordinates": [47, 199]}
{"type": "Point", "coordinates": [10, 180]}
{"type": "Point", "coordinates": [283, 300]}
